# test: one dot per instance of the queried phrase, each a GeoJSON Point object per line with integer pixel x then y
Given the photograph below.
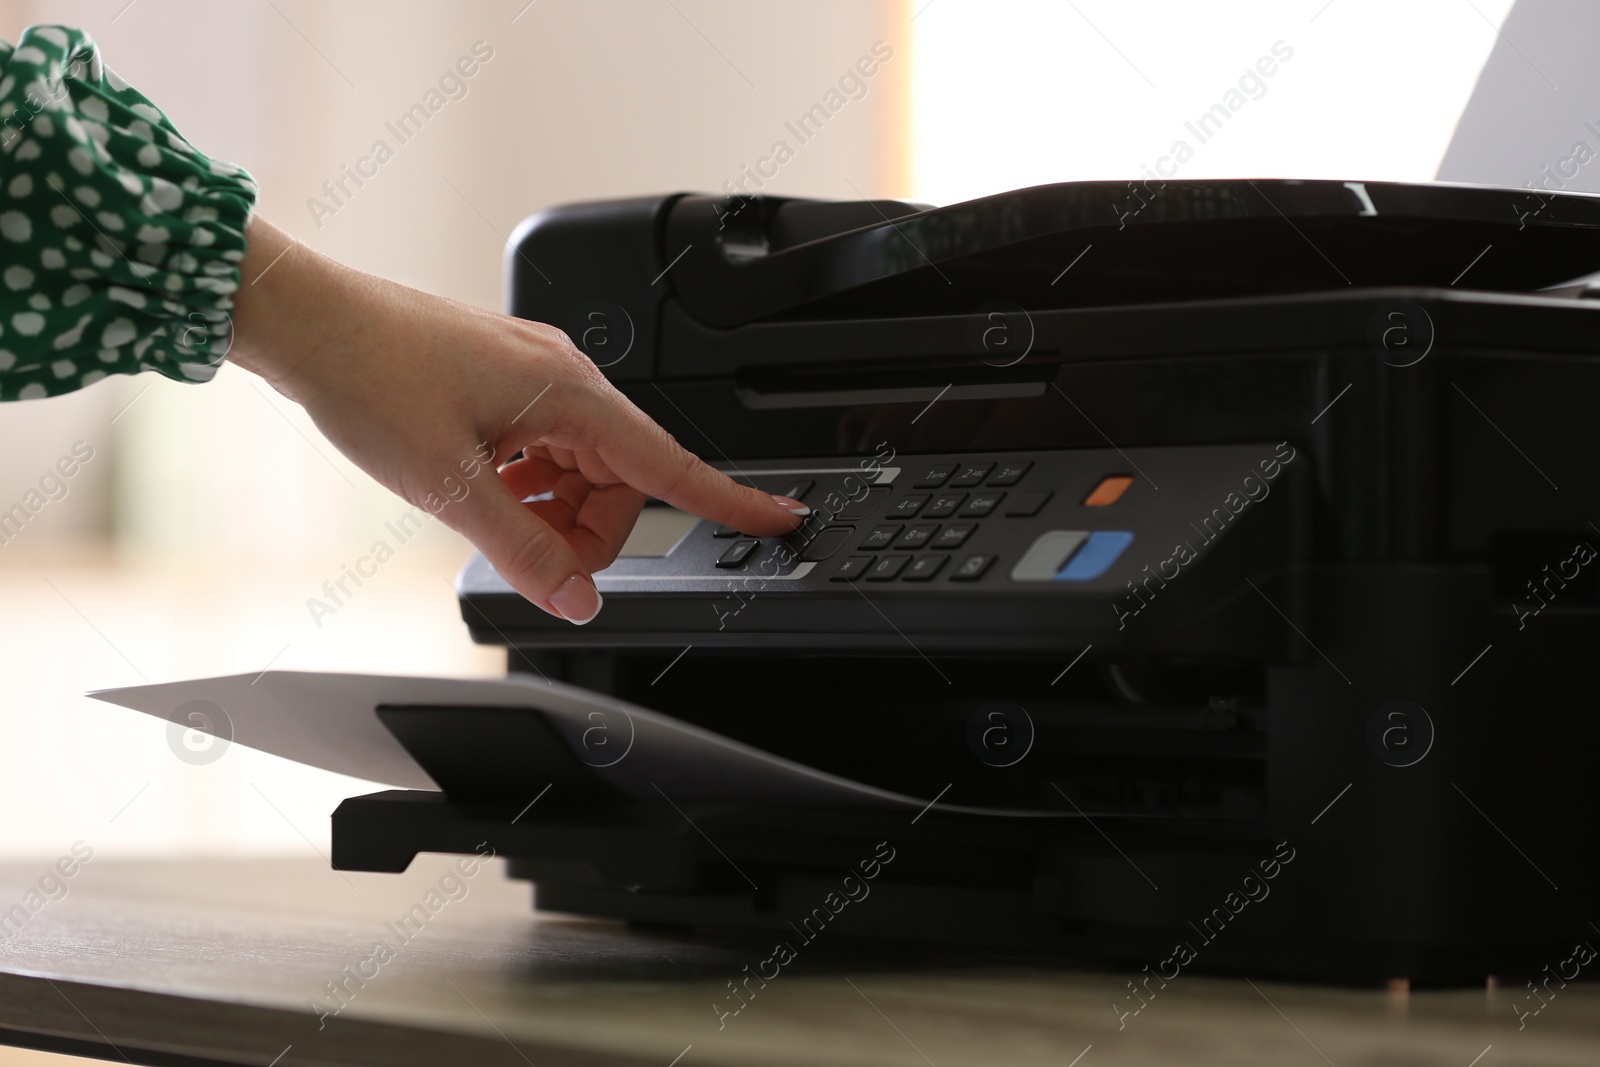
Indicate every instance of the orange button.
{"type": "Point", "coordinates": [1109, 491]}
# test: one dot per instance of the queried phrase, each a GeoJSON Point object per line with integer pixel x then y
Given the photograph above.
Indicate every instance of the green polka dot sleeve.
{"type": "Point", "coordinates": [119, 242]}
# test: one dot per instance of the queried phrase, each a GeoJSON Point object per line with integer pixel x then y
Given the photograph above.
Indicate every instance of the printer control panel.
{"type": "Point", "coordinates": [935, 519]}
{"type": "Point", "coordinates": [980, 549]}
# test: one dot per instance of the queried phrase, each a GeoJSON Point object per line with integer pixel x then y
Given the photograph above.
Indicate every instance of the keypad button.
{"type": "Point", "coordinates": [971, 568]}
{"type": "Point", "coordinates": [1028, 503]}
{"type": "Point", "coordinates": [1096, 556]}
{"type": "Point", "coordinates": [1009, 473]}
{"type": "Point", "coordinates": [972, 474]}
{"type": "Point", "coordinates": [923, 568]}
{"type": "Point", "coordinates": [944, 505]}
{"type": "Point", "coordinates": [1046, 555]}
{"type": "Point", "coordinates": [881, 537]}
{"type": "Point", "coordinates": [887, 568]}
{"type": "Point", "coordinates": [826, 543]}
{"type": "Point", "coordinates": [933, 477]}
{"type": "Point", "coordinates": [955, 535]}
{"type": "Point", "coordinates": [908, 507]}
{"type": "Point", "coordinates": [724, 531]}
{"type": "Point", "coordinates": [865, 504]}
{"type": "Point", "coordinates": [981, 504]}
{"type": "Point", "coordinates": [1108, 492]}
{"type": "Point", "coordinates": [918, 535]}
{"type": "Point", "coordinates": [796, 489]}
{"type": "Point", "coordinates": [853, 567]}
{"type": "Point", "coordinates": [737, 553]}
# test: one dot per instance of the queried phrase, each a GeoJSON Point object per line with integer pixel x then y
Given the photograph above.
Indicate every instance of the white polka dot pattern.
{"type": "Point", "coordinates": [120, 243]}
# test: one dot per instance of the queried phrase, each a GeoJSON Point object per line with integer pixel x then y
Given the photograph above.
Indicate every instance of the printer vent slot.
{"type": "Point", "coordinates": [833, 385]}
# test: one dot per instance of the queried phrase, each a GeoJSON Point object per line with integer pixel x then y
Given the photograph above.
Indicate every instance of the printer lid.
{"type": "Point", "coordinates": [1091, 244]}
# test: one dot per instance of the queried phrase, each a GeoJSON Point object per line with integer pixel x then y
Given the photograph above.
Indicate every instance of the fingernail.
{"type": "Point", "coordinates": [791, 505]}
{"type": "Point", "coordinates": [577, 600]}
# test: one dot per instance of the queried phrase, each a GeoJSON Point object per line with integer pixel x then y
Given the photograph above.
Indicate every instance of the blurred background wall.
{"type": "Point", "coordinates": [579, 101]}
{"type": "Point", "coordinates": [189, 545]}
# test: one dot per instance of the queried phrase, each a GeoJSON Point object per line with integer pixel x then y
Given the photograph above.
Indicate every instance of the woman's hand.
{"type": "Point", "coordinates": [422, 392]}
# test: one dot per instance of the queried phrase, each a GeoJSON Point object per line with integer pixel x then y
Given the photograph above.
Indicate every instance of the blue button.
{"type": "Point", "coordinates": [1096, 556]}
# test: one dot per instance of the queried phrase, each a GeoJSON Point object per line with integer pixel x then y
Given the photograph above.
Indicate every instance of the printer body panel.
{"type": "Point", "coordinates": [1374, 667]}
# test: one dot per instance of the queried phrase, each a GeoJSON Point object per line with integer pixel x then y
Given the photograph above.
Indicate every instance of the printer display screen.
{"type": "Point", "coordinates": [657, 532]}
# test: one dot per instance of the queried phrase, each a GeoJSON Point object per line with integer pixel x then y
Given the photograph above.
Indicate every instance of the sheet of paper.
{"type": "Point", "coordinates": [328, 721]}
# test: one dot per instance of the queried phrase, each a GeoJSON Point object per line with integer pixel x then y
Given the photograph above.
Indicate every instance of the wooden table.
{"type": "Point", "coordinates": [223, 961]}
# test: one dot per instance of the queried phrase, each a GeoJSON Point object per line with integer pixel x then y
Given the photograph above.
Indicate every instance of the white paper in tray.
{"type": "Point", "coordinates": [328, 721]}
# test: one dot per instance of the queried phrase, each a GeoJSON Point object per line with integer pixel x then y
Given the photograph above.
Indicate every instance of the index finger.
{"type": "Point", "coordinates": [642, 453]}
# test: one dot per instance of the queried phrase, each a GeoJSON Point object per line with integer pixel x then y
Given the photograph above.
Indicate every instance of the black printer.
{"type": "Point", "coordinates": [1243, 528]}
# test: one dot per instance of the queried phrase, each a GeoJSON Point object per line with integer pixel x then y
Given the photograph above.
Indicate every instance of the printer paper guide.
{"type": "Point", "coordinates": [328, 720]}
